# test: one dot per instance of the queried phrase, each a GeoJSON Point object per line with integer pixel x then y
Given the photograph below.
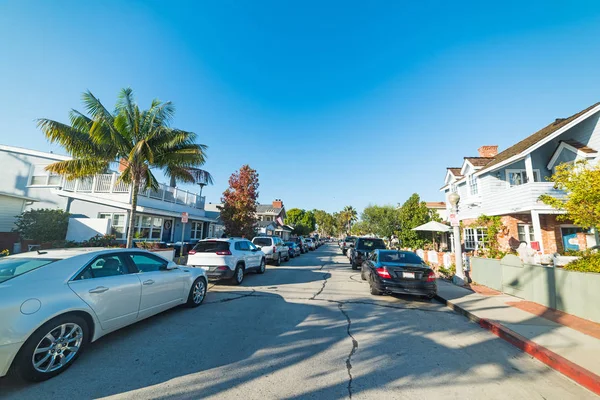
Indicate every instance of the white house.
{"type": "Point", "coordinates": [509, 184]}
{"type": "Point", "coordinates": [26, 185]}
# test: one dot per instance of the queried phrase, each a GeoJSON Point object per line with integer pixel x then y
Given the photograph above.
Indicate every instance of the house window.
{"type": "Point", "coordinates": [117, 224]}
{"type": "Point", "coordinates": [516, 177]}
{"type": "Point", "coordinates": [473, 184]}
{"type": "Point", "coordinates": [197, 230]}
{"type": "Point", "coordinates": [453, 188]}
{"type": "Point", "coordinates": [148, 227]}
{"type": "Point", "coordinates": [41, 177]}
{"type": "Point", "coordinates": [526, 233]}
{"type": "Point", "coordinates": [475, 238]}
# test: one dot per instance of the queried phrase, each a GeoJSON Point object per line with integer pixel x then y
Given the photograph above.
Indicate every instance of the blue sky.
{"type": "Point", "coordinates": [333, 102]}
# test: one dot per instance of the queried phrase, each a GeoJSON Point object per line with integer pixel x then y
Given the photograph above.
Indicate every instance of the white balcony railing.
{"type": "Point", "coordinates": [109, 183]}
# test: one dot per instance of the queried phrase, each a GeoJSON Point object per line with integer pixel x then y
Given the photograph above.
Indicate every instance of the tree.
{"type": "Point", "coordinates": [325, 223]}
{"type": "Point", "coordinates": [581, 182]}
{"type": "Point", "coordinates": [383, 221]}
{"type": "Point", "coordinates": [413, 213]}
{"type": "Point", "coordinates": [238, 212]}
{"type": "Point", "coordinates": [141, 140]}
{"type": "Point", "coordinates": [42, 225]}
{"type": "Point", "coordinates": [350, 215]}
{"type": "Point", "coordinates": [303, 221]}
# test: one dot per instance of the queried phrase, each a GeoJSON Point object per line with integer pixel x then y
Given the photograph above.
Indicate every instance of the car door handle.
{"type": "Point", "coordinates": [99, 289]}
{"type": "Point", "coordinates": [148, 282]}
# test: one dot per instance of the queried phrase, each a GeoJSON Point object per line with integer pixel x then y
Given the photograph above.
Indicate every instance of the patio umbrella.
{"type": "Point", "coordinates": [432, 226]}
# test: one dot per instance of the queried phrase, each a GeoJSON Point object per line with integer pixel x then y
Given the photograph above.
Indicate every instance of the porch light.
{"type": "Point", "coordinates": [453, 198]}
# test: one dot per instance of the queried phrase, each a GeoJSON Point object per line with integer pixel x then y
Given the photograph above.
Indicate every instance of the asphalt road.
{"type": "Point", "coordinates": [306, 329]}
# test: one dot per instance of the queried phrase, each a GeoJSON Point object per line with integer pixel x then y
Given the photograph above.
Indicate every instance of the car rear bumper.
{"type": "Point", "coordinates": [214, 275]}
{"type": "Point", "coordinates": [416, 288]}
{"type": "Point", "coordinates": [7, 355]}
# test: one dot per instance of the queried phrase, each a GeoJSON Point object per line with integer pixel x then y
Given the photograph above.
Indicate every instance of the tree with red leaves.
{"type": "Point", "coordinates": [238, 212]}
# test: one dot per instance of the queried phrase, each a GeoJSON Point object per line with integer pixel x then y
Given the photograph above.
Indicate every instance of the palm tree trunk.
{"type": "Point", "coordinates": [131, 225]}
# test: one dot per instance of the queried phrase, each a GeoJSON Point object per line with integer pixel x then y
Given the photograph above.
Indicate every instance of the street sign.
{"type": "Point", "coordinates": [184, 217]}
{"type": "Point", "coordinates": [454, 219]}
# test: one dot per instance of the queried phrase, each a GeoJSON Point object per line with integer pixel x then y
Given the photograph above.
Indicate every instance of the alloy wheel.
{"type": "Point", "coordinates": [57, 348]}
{"type": "Point", "coordinates": [199, 291]}
{"type": "Point", "coordinates": [240, 274]}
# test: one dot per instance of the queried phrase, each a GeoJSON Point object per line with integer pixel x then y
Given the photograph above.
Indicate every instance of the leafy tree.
{"type": "Point", "coordinates": [308, 220]}
{"type": "Point", "coordinates": [581, 181]}
{"type": "Point", "coordinates": [325, 222]}
{"type": "Point", "coordinates": [381, 220]}
{"type": "Point", "coordinates": [294, 216]}
{"type": "Point", "coordinates": [140, 139]}
{"type": "Point", "coordinates": [238, 212]}
{"type": "Point", "coordinates": [42, 225]}
{"type": "Point", "coordinates": [413, 213]}
{"type": "Point", "coordinates": [303, 221]}
{"type": "Point", "coordinates": [349, 215]}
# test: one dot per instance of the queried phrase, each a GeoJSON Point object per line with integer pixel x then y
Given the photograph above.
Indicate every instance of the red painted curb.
{"type": "Point", "coordinates": [575, 372]}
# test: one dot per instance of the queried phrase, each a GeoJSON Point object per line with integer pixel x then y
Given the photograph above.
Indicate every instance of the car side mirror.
{"type": "Point", "coordinates": [171, 265]}
{"type": "Point", "coordinates": [255, 249]}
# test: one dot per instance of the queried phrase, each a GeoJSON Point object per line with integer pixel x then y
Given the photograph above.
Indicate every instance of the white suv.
{"type": "Point", "coordinates": [274, 248]}
{"type": "Point", "coordinates": [228, 258]}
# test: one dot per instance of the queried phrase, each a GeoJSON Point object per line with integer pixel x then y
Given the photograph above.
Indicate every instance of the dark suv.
{"type": "Point", "coordinates": [362, 248]}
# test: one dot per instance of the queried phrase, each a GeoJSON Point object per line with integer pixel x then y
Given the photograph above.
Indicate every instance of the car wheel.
{"type": "Point", "coordinates": [52, 348]}
{"type": "Point", "coordinates": [374, 290]}
{"type": "Point", "coordinates": [354, 266]}
{"type": "Point", "coordinates": [288, 257]}
{"type": "Point", "coordinates": [362, 276]}
{"type": "Point", "coordinates": [278, 261]}
{"type": "Point", "coordinates": [197, 293]}
{"type": "Point", "coordinates": [238, 275]}
{"type": "Point", "coordinates": [262, 268]}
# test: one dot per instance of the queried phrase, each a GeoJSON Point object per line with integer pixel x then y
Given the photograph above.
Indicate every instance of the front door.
{"type": "Point", "coordinates": [161, 288]}
{"type": "Point", "coordinates": [112, 292]}
{"type": "Point", "coordinates": [167, 229]}
{"type": "Point", "coordinates": [570, 241]}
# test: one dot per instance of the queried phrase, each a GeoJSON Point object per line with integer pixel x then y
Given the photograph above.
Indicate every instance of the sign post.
{"type": "Point", "coordinates": [184, 220]}
{"type": "Point", "coordinates": [454, 220]}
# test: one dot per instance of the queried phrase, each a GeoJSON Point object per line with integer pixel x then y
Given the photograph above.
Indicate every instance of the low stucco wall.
{"type": "Point", "coordinates": [573, 292]}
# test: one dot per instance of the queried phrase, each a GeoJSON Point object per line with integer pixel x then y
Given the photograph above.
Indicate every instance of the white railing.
{"type": "Point", "coordinates": [109, 183]}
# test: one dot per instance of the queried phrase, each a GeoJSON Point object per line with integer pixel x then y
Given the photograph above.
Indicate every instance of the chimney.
{"type": "Point", "coordinates": [488, 151]}
{"type": "Point", "coordinates": [122, 164]}
{"type": "Point", "coordinates": [277, 203]}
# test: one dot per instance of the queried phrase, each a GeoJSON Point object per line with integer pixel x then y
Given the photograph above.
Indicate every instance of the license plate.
{"type": "Point", "coordinates": [409, 275]}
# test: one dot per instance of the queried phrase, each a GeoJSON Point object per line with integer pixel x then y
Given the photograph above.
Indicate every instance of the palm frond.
{"type": "Point", "coordinates": [78, 167]}
{"type": "Point", "coordinates": [77, 143]}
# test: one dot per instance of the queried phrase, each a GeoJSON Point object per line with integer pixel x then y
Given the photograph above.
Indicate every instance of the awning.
{"type": "Point", "coordinates": [433, 226]}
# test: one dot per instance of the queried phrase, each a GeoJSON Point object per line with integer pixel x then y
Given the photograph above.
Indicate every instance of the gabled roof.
{"type": "Point", "coordinates": [536, 137]}
{"type": "Point", "coordinates": [435, 204]}
{"type": "Point", "coordinates": [479, 161]}
{"type": "Point", "coordinates": [264, 224]}
{"type": "Point", "coordinates": [455, 171]}
{"type": "Point", "coordinates": [268, 209]}
{"type": "Point", "coordinates": [579, 146]}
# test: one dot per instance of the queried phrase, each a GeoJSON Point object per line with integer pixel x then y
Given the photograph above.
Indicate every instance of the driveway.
{"type": "Point", "coordinates": [306, 329]}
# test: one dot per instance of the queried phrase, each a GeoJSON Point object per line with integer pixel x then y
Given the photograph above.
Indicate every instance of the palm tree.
{"type": "Point", "coordinates": [350, 216]}
{"type": "Point", "coordinates": [141, 140]}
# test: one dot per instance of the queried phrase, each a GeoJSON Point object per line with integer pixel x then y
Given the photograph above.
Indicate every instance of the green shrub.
{"type": "Point", "coordinates": [449, 272]}
{"type": "Point", "coordinates": [42, 225]}
{"type": "Point", "coordinates": [4, 253]}
{"type": "Point", "coordinates": [588, 263]}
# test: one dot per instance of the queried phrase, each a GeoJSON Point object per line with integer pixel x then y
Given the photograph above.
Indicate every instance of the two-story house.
{"type": "Point", "coordinates": [509, 184]}
{"type": "Point", "coordinates": [271, 219]}
{"type": "Point", "coordinates": [26, 185]}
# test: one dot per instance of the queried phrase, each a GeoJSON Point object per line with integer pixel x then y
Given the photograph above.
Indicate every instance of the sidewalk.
{"type": "Point", "coordinates": [568, 344]}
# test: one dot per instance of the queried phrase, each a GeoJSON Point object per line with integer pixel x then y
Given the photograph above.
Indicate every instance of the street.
{"type": "Point", "coordinates": [306, 329]}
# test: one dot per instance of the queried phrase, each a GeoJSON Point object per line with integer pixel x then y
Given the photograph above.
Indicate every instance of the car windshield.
{"type": "Point", "coordinates": [370, 244]}
{"type": "Point", "coordinates": [13, 267]}
{"type": "Point", "coordinates": [262, 241]}
{"type": "Point", "coordinates": [290, 244]}
{"type": "Point", "coordinates": [350, 239]}
{"type": "Point", "coordinates": [399, 257]}
{"type": "Point", "coordinates": [211, 246]}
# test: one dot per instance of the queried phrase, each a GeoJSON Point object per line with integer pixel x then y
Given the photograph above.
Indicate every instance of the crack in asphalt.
{"type": "Point", "coordinates": [320, 290]}
{"type": "Point", "coordinates": [354, 347]}
{"type": "Point", "coordinates": [356, 280]}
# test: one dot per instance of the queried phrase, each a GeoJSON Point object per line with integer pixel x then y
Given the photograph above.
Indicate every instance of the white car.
{"type": "Point", "coordinates": [274, 248]}
{"type": "Point", "coordinates": [311, 243]}
{"type": "Point", "coordinates": [228, 258]}
{"type": "Point", "coordinates": [55, 302]}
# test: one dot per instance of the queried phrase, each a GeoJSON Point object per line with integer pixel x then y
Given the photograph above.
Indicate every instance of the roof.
{"type": "Point", "coordinates": [34, 153]}
{"type": "Point", "coordinates": [536, 137]}
{"type": "Point", "coordinates": [268, 209]}
{"type": "Point", "coordinates": [264, 224]}
{"type": "Point", "coordinates": [579, 146]}
{"type": "Point", "coordinates": [479, 161]}
{"type": "Point", "coordinates": [435, 204]}
{"type": "Point", "coordinates": [454, 170]}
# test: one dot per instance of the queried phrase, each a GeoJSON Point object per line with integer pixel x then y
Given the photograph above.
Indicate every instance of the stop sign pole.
{"type": "Point", "coordinates": [184, 220]}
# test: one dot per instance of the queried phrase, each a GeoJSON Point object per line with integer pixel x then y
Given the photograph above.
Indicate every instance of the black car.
{"type": "Point", "coordinates": [362, 248]}
{"type": "Point", "coordinates": [398, 272]}
{"type": "Point", "coordinates": [294, 249]}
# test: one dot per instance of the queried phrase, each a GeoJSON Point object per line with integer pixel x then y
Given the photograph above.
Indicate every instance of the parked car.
{"type": "Point", "coordinates": [227, 258]}
{"type": "Point", "coordinates": [300, 243]}
{"type": "Point", "coordinates": [362, 247]}
{"type": "Point", "coordinates": [347, 243]}
{"type": "Point", "coordinates": [398, 272]}
{"type": "Point", "coordinates": [294, 249]}
{"type": "Point", "coordinates": [310, 244]}
{"type": "Point", "coordinates": [273, 247]}
{"type": "Point", "coordinates": [55, 302]}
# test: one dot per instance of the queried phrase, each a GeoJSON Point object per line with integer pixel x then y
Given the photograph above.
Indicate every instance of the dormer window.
{"type": "Point", "coordinates": [516, 177]}
{"type": "Point", "coordinates": [473, 185]}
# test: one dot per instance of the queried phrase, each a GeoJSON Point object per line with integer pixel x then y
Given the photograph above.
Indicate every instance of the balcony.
{"type": "Point", "coordinates": [510, 200]}
{"type": "Point", "coordinates": [108, 186]}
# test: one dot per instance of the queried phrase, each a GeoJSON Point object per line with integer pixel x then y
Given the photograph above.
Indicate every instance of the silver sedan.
{"type": "Point", "coordinates": [54, 302]}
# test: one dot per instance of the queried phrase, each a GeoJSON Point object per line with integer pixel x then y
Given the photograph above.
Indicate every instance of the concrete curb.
{"type": "Point", "coordinates": [582, 376]}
